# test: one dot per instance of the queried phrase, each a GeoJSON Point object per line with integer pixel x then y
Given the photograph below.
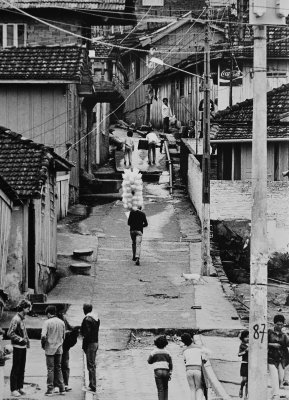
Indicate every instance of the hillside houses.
{"type": "Point", "coordinates": [28, 173]}
{"type": "Point", "coordinates": [233, 138]}
{"type": "Point", "coordinates": [46, 82]}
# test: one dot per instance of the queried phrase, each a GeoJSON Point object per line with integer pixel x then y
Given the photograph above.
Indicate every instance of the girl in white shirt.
{"type": "Point", "coordinates": [193, 361]}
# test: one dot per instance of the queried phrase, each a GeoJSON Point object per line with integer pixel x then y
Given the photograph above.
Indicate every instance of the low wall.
{"type": "Point", "coordinates": [231, 201]}
{"type": "Point", "coordinates": [195, 183]}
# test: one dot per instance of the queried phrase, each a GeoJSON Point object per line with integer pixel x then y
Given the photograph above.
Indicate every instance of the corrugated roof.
{"type": "Point", "coordinates": [42, 62]}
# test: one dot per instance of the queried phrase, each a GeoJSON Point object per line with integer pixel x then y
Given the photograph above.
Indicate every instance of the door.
{"type": "Point", "coordinates": [31, 246]}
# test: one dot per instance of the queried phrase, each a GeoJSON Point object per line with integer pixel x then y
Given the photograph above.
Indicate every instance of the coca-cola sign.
{"type": "Point", "coordinates": [228, 75]}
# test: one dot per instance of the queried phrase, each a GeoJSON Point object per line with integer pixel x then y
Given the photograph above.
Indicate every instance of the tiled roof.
{"type": "Point", "coordinates": [277, 43]}
{"type": "Point", "coordinates": [7, 189]}
{"type": "Point", "coordinates": [231, 132]}
{"type": "Point", "coordinates": [101, 5]}
{"type": "Point", "coordinates": [42, 62]}
{"type": "Point", "coordinates": [236, 122]}
{"type": "Point", "coordinates": [23, 163]}
{"type": "Point", "coordinates": [102, 51]}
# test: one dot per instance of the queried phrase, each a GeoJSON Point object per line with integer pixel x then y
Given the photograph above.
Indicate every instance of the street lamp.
{"type": "Point", "coordinates": [206, 258]}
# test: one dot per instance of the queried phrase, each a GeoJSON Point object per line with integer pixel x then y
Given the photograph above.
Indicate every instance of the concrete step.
{"type": "Point", "coordinates": [80, 268]}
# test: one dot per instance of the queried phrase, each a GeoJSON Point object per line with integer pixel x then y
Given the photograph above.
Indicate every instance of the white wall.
{"type": "Point", "coordinates": [195, 183]}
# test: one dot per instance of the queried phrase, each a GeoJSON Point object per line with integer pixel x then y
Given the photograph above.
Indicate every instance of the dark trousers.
{"type": "Point", "coordinates": [166, 124]}
{"type": "Point", "coordinates": [18, 369]}
{"type": "Point", "coordinates": [64, 368]}
{"type": "Point", "coordinates": [90, 352]}
{"type": "Point", "coordinates": [162, 382]}
{"type": "Point", "coordinates": [54, 373]}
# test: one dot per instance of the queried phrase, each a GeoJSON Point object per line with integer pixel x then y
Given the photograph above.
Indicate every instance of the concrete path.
{"type": "Point", "coordinates": [134, 301]}
{"type": "Point", "coordinates": [36, 373]}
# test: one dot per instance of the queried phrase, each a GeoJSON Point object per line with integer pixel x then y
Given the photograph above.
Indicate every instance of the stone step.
{"type": "Point", "coordinates": [82, 252]}
{"type": "Point", "coordinates": [80, 268]}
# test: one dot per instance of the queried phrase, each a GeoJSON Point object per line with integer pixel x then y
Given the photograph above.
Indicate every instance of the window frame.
{"type": "Point", "coordinates": [15, 35]}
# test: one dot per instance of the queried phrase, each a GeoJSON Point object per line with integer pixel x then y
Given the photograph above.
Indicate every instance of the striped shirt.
{"type": "Point", "coordinates": [161, 359]}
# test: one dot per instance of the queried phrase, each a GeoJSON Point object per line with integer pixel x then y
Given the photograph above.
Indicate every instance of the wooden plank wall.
{"type": "Point", "coordinates": [62, 195]}
{"type": "Point", "coordinates": [185, 108]}
{"type": "Point", "coordinates": [5, 224]}
{"type": "Point", "coordinates": [47, 114]}
{"type": "Point", "coordinates": [45, 232]}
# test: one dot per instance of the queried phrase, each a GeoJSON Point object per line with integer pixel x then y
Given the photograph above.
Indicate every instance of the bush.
{"type": "Point", "coordinates": [278, 264]}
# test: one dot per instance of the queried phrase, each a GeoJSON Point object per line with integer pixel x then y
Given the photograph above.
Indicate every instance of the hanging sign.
{"type": "Point", "coordinates": [226, 74]}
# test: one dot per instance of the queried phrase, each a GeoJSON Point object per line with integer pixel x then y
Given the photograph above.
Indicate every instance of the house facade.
{"type": "Point", "coordinates": [7, 197]}
{"type": "Point", "coordinates": [149, 82]}
{"type": "Point", "coordinates": [232, 135]}
{"type": "Point", "coordinates": [49, 86]}
{"type": "Point", "coordinates": [30, 169]}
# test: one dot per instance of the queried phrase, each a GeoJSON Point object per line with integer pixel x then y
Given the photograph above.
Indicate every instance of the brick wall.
{"type": "Point", "coordinates": [38, 33]}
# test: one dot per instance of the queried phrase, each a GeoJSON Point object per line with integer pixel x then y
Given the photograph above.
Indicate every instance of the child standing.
{"type": "Point", "coordinates": [243, 352]}
{"type": "Point", "coordinates": [163, 366]}
{"type": "Point", "coordinates": [128, 148]}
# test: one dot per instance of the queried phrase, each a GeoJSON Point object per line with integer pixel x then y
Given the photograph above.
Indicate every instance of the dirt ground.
{"type": "Point", "coordinates": [277, 295]}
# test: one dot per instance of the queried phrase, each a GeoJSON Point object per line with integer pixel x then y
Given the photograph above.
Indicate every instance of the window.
{"type": "Point", "coordinates": [137, 69]}
{"type": "Point", "coordinates": [182, 87]}
{"type": "Point", "coordinates": [12, 35]}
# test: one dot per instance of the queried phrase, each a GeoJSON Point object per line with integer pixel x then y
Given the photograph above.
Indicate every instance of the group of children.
{"type": "Point", "coordinates": [194, 356]}
{"type": "Point", "coordinates": [152, 140]}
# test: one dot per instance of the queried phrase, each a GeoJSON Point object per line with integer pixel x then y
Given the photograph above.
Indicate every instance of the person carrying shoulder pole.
{"type": "Point", "coordinates": [137, 221]}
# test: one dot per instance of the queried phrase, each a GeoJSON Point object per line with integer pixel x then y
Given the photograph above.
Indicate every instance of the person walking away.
{"type": "Point", "coordinates": [152, 142]}
{"type": "Point", "coordinates": [89, 331]}
{"type": "Point", "coordinates": [137, 221]}
{"type": "Point", "coordinates": [193, 357]}
{"type": "Point", "coordinates": [128, 148]}
{"type": "Point", "coordinates": [163, 366]}
{"type": "Point", "coordinates": [19, 339]}
{"type": "Point", "coordinates": [52, 338]}
{"type": "Point", "coordinates": [277, 354]}
{"type": "Point", "coordinates": [166, 114]}
{"type": "Point", "coordinates": [243, 352]}
{"type": "Point", "coordinates": [70, 340]}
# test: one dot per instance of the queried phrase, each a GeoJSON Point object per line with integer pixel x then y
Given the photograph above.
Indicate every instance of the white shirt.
{"type": "Point", "coordinates": [193, 355]}
{"type": "Point", "coordinates": [152, 137]}
{"type": "Point", "coordinates": [166, 111]}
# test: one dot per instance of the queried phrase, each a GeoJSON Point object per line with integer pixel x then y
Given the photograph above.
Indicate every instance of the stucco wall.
{"type": "Point", "coordinates": [195, 183]}
{"type": "Point", "coordinates": [232, 200]}
{"type": "Point", "coordinates": [14, 268]}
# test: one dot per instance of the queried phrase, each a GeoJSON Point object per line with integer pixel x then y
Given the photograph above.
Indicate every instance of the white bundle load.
{"type": "Point", "coordinates": [132, 189]}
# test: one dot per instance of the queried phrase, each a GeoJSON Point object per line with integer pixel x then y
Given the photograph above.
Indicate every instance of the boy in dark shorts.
{"type": "Point", "coordinates": [243, 352]}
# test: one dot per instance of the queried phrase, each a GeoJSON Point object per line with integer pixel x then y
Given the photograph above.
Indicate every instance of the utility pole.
{"type": "Point", "coordinates": [259, 256]}
{"type": "Point", "coordinates": [206, 258]}
{"type": "Point", "coordinates": [261, 14]}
